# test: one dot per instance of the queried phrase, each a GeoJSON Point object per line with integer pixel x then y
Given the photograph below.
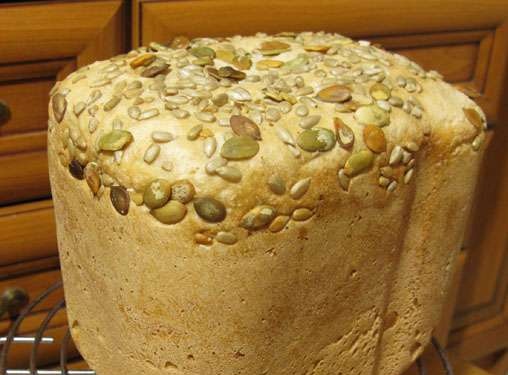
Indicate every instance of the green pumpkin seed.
{"type": "Point", "coordinates": [227, 238]}
{"type": "Point", "coordinates": [231, 174]}
{"type": "Point", "coordinates": [316, 139]}
{"type": "Point", "coordinates": [115, 140]}
{"type": "Point", "coordinates": [239, 147]}
{"type": "Point", "coordinates": [171, 213]}
{"type": "Point", "coordinates": [59, 104]}
{"type": "Point", "coordinates": [120, 199]}
{"type": "Point", "coordinates": [258, 217]}
{"type": "Point", "coordinates": [210, 209]}
{"type": "Point", "coordinates": [302, 214]}
{"type": "Point", "coordinates": [372, 115]}
{"type": "Point", "coordinates": [157, 193]}
{"type": "Point", "coordinates": [76, 170]}
{"type": "Point", "coordinates": [277, 184]}
{"type": "Point", "coordinates": [358, 162]}
{"type": "Point", "coordinates": [335, 94]}
{"type": "Point", "coordinates": [203, 52]}
{"type": "Point", "coordinates": [278, 223]}
{"type": "Point", "coordinates": [380, 92]}
{"type": "Point", "coordinates": [182, 191]}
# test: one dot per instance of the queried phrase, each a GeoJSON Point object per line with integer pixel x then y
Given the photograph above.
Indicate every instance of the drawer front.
{"type": "Point", "coordinates": [458, 38]}
{"type": "Point", "coordinates": [85, 32]}
{"type": "Point", "coordinates": [27, 234]}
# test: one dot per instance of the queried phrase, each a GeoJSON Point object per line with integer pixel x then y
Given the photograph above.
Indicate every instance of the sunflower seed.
{"type": "Point", "coordinates": [93, 123]}
{"type": "Point", "coordinates": [344, 180]}
{"type": "Point", "coordinates": [239, 147]}
{"type": "Point", "coordinates": [182, 191]}
{"type": "Point", "coordinates": [209, 146]}
{"type": "Point", "coordinates": [374, 138]}
{"type": "Point", "coordinates": [79, 107]}
{"type": "Point", "coordinates": [115, 140]}
{"type": "Point", "coordinates": [278, 223]}
{"type": "Point", "coordinates": [408, 175]}
{"type": "Point", "coordinates": [401, 81]}
{"type": "Point", "coordinates": [299, 189]}
{"type": "Point", "coordinates": [149, 113]}
{"type": "Point", "coordinates": [210, 209]}
{"type": "Point", "coordinates": [302, 214]}
{"type": "Point", "coordinates": [372, 115]}
{"type": "Point", "coordinates": [204, 116]}
{"type": "Point", "coordinates": [92, 177]}
{"type": "Point", "coordinates": [384, 105]}
{"type": "Point", "coordinates": [134, 112]}
{"type": "Point", "coordinates": [193, 132]}
{"type": "Point", "coordinates": [474, 117]}
{"type": "Point", "coordinates": [301, 110]}
{"type": "Point", "coordinates": [277, 184]}
{"type": "Point", "coordinates": [151, 153]}
{"type": "Point", "coordinates": [117, 156]}
{"type": "Point", "coordinates": [120, 199]}
{"type": "Point", "coordinates": [180, 113]}
{"type": "Point", "coordinates": [310, 121]}
{"type": "Point", "coordinates": [112, 103]}
{"type": "Point", "coordinates": [392, 186]}
{"type": "Point", "coordinates": [383, 181]}
{"type": "Point", "coordinates": [272, 115]}
{"type": "Point", "coordinates": [239, 94]}
{"type": "Point", "coordinates": [358, 162]}
{"type": "Point", "coordinates": [162, 136]}
{"type": "Point", "coordinates": [100, 83]}
{"type": "Point", "coordinates": [396, 101]}
{"type": "Point", "coordinates": [171, 213]}
{"type": "Point", "coordinates": [59, 107]}
{"type": "Point", "coordinates": [258, 217]}
{"type": "Point", "coordinates": [157, 193]}
{"type": "Point", "coordinates": [228, 173]}
{"type": "Point", "coordinates": [227, 238]}
{"type": "Point", "coordinates": [316, 139]}
{"type": "Point", "coordinates": [285, 136]}
{"type": "Point", "coordinates": [478, 141]}
{"type": "Point", "coordinates": [395, 155]}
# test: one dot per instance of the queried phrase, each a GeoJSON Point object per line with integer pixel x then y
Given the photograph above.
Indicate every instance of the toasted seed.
{"type": "Point", "coordinates": [395, 155]}
{"type": "Point", "coordinates": [162, 136]}
{"type": "Point", "coordinates": [115, 140]}
{"type": "Point", "coordinates": [203, 239]}
{"type": "Point", "coordinates": [380, 92]}
{"type": "Point", "coordinates": [268, 64]}
{"type": "Point", "coordinates": [76, 169]}
{"type": "Point", "coordinates": [220, 99]}
{"type": "Point", "coordinates": [271, 48]}
{"type": "Point", "coordinates": [155, 70]}
{"type": "Point", "coordinates": [372, 115]}
{"type": "Point", "coordinates": [408, 175]}
{"type": "Point", "coordinates": [239, 147]}
{"type": "Point", "coordinates": [100, 82]}
{"type": "Point", "coordinates": [344, 180]}
{"type": "Point", "coordinates": [227, 238]}
{"type": "Point", "coordinates": [278, 223]}
{"type": "Point", "coordinates": [239, 94]}
{"type": "Point", "coordinates": [59, 104]}
{"type": "Point", "coordinates": [374, 138]}
{"type": "Point", "coordinates": [92, 177]}
{"type": "Point", "coordinates": [209, 146]}
{"type": "Point", "coordinates": [182, 191]}
{"type": "Point", "coordinates": [285, 136]}
{"type": "Point", "coordinates": [316, 139]}
{"type": "Point", "coordinates": [120, 199]}
{"type": "Point", "coordinates": [335, 94]}
{"type": "Point", "coordinates": [258, 217]}
{"type": "Point", "coordinates": [344, 134]}
{"type": "Point", "coordinates": [242, 125]}
{"type": "Point", "coordinates": [301, 110]}
{"type": "Point", "coordinates": [358, 162]}
{"type": "Point", "coordinates": [79, 107]}
{"type": "Point", "coordinates": [112, 103]}
{"type": "Point", "coordinates": [473, 117]}
{"type": "Point", "coordinates": [277, 184]}
{"type": "Point", "coordinates": [302, 214]}
{"type": "Point", "coordinates": [151, 153]}
{"type": "Point", "coordinates": [142, 60]}
{"type": "Point", "coordinates": [300, 188]}
{"type": "Point", "coordinates": [171, 213]}
{"type": "Point", "coordinates": [193, 132]}
{"type": "Point", "coordinates": [309, 121]}
{"type": "Point", "coordinates": [157, 193]}
{"type": "Point", "coordinates": [231, 174]}
{"type": "Point", "coordinates": [210, 209]}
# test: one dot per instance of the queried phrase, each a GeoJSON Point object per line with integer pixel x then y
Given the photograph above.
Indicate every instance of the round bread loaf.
{"type": "Point", "coordinates": [283, 205]}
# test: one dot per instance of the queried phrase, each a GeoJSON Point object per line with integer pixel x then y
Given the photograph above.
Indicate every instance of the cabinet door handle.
{"type": "Point", "coordinates": [5, 112]}
{"type": "Point", "coordinates": [12, 301]}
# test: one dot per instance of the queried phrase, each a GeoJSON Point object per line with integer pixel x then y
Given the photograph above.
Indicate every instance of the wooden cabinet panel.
{"type": "Point", "coordinates": [27, 232]}
{"type": "Point", "coordinates": [41, 43]}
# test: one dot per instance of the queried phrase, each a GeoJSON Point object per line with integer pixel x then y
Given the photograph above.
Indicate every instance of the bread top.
{"type": "Point", "coordinates": [234, 135]}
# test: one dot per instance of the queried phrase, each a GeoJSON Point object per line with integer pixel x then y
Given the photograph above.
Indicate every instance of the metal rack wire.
{"type": "Point", "coordinates": [40, 339]}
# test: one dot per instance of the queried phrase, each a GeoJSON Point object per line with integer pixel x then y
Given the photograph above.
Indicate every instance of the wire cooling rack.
{"type": "Point", "coordinates": [39, 339]}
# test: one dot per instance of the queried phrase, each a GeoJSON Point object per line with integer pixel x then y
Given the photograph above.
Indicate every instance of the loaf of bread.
{"type": "Point", "coordinates": [287, 204]}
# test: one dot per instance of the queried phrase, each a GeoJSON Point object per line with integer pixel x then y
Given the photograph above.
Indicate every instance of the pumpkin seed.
{"type": "Point", "coordinates": [59, 104]}
{"type": "Point", "coordinates": [151, 153]}
{"type": "Point", "coordinates": [112, 103]}
{"type": "Point", "coordinates": [271, 48]}
{"type": "Point", "coordinates": [239, 147]}
{"type": "Point", "coordinates": [268, 64]}
{"type": "Point", "coordinates": [227, 238]}
{"type": "Point", "coordinates": [231, 174]}
{"type": "Point", "coordinates": [316, 139]}
{"type": "Point", "coordinates": [179, 42]}
{"type": "Point", "coordinates": [299, 189]}
{"type": "Point", "coordinates": [203, 52]}
{"type": "Point", "coordinates": [374, 138]}
{"type": "Point", "coordinates": [92, 177]}
{"type": "Point", "coordinates": [115, 140]}
{"type": "Point", "coordinates": [209, 146]}
{"type": "Point", "coordinates": [277, 184]}
{"type": "Point", "coordinates": [182, 191]}
{"type": "Point", "coordinates": [258, 217]}
{"type": "Point", "coordinates": [157, 193]}
{"type": "Point", "coordinates": [242, 125]}
{"type": "Point", "coordinates": [344, 180]}
{"type": "Point", "coordinates": [380, 92]}
{"type": "Point", "coordinates": [372, 115]}
{"type": "Point", "coordinates": [316, 48]}
{"type": "Point", "coordinates": [142, 60]}
{"type": "Point", "coordinates": [220, 99]}
{"type": "Point", "coordinates": [302, 214]}
{"type": "Point", "coordinates": [210, 209]}
{"type": "Point", "coordinates": [335, 94]}
{"type": "Point", "coordinates": [155, 70]}
{"type": "Point", "coordinates": [120, 199]}
{"type": "Point", "coordinates": [231, 73]}
{"type": "Point", "coordinates": [76, 169]}
{"type": "Point", "coordinates": [358, 162]}
{"type": "Point", "coordinates": [162, 136]}
{"type": "Point", "coordinates": [193, 133]}
{"type": "Point", "coordinates": [473, 117]}
{"type": "Point", "coordinates": [225, 55]}
{"type": "Point", "coordinates": [171, 213]}
{"type": "Point", "coordinates": [310, 121]}
{"type": "Point", "coordinates": [242, 62]}
{"type": "Point", "coordinates": [345, 135]}
{"type": "Point", "coordinates": [278, 223]}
